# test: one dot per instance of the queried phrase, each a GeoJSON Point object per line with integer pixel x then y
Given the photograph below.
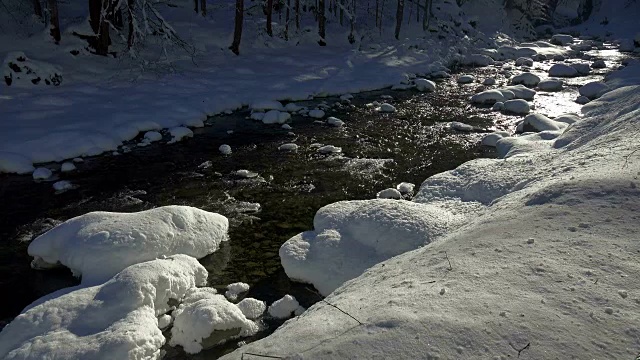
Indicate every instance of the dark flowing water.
{"type": "Point", "coordinates": [378, 151]}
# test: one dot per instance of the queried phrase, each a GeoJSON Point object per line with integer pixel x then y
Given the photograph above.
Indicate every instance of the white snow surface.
{"type": "Point", "coordinates": [201, 313]}
{"type": "Point", "coordinates": [252, 308]}
{"type": "Point", "coordinates": [389, 193]}
{"type": "Point", "coordinates": [546, 256]}
{"type": "Point", "coordinates": [284, 307]}
{"type": "Point", "coordinates": [100, 244]}
{"type": "Point", "coordinates": [114, 320]}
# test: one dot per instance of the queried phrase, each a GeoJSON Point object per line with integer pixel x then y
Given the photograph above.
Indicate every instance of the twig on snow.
{"type": "Point", "coordinates": [330, 304]}
{"type": "Point", "coordinates": [260, 355]}
{"type": "Point", "coordinates": [520, 350]}
{"type": "Point", "coordinates": [626, 158]}
{"type": "Point", "coordinates": [450, 267]}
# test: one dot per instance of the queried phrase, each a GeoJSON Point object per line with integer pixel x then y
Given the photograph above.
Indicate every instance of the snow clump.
{"type": "Point", "coordinates": [62, 185]}
{"type": "Point", "coordinates": [252, 308]}
{"type": "Point", "coordinates": [225, 149]}
{"type": "Point", "coordinates": [235, 289]}
{"type": "Point", "coordinates": [527, 79]}
{"type": "Point", "coordinates": [425, 85]}
{"type": "Point", "coordinates": [386, 108]}
{"type": "Point", "coordinates": [41, 174]}
{"type": "Point", "coordinates": [334, 121]}
{"type": "Point", "coordinates": [284, 307]}
{"type": "Point", "coordinates": [316, 113]}
{"type": "Point", "coordinates": [67, 167]}
{"type": "Point", "coordinates": [179, 133]}
{"type": "Point", "coordinates": [288, 147]}
{"type": "Point", "coordinates": [389, 193]}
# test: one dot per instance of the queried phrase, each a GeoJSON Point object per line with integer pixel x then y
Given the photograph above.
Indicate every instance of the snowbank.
{"type": "Point", "coordinates": [115, 320]}
{"type": "Point", "coordinates": [98, 245]}
{"type": "Point", "coordinates": [544, 265]}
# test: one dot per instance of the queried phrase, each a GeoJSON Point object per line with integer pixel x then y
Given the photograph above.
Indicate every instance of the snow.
{"type": "Point", "coordinates": [62, 185]}
{"type": "Point", "coordinates": [346, 97]}
{"type": "Point", "coordinates": [425, 85]}
{"type": "Point", "coordinates": [405, 187]}
{"type": "Point", "coordinates": [540, 122]}
{"type": "Point", "coordinates": [466, 79]}
{"type": "Point", "coordinates": [389, 193]}
{"type": "Point", "coordinates": [266, 105]}
{"type": "Point", "coordinates": [334, 121]}
{"type": "Point", "coordinates": [252, 308]}
{"type": "Point", "coordinates": [329, 149]}
{"type": "Point", "coordinates": [519, 92]}
{"type": "Point", "coordinates": [235, 289]}
{"type": "Point", "coordinates": [550, 85]}
{"type": "Point", "coordinates": [244, 173]}
{"type": "Point", "coordinates": [153, 136]}
{"type": "Point", "coordinates": [277, 117]}
{"type": "Point", "coordinates": [42, 174]}
{"type": "Point", "coordinates": [562, 70]}
{"type": "Point", "coordinates": [517, 106]}
{"type": "Point", "coordinates": [14, 163]}
{"type": "Point", "coordinates": [488, 97]}
{"type": "Point", "coordinates": [288, 147]}
{"type": "Point", "coordinates": [478, 60]}
{"type": "Point", "coordinates": [179, 133]}
{"type": "Point", "coordinates": [492, 139]}
{"type": "Point", "coordinates": [286, 126]}
{"type": "Point", "coordinates": [99, 244]}
{"type": "Point", "coordinates": [351, 236]}
{"type": "Point", "coordinates": [114, 320]}
{"type": "Point", "coordinates": [164, 321]}
{"type": "Point", "coordinates": [548, 247]}
{"type": "Point", "coordinates": [386, 108]}
{"type": "Point", "coordinates": [527, 79]}
{"type": "Point", "coordinates": [67, 167]}
{"type": "Point", "coordinates": [593, 90]}
{"type": "Point", "coordinates": [225, 149]}
{"type": "Point", "coordinates": [201, 314]}
{"type": "Point", "coordinates": [561, 39]}
{"type": "Point", "coordinates": [284, 307]}
{"type": "Point", "coordinates": [316, 113]}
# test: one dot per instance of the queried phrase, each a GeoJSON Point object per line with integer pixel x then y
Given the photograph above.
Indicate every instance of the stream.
{"type": "Point", "coordinates": [379, 150]}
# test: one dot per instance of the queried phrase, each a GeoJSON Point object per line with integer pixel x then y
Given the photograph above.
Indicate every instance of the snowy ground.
{"type": "Point", "coordinates": [542, 268]}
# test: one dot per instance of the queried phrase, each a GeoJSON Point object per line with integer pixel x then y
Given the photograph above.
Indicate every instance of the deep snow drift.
{"type": "Point", "coordinates": [543, 262]}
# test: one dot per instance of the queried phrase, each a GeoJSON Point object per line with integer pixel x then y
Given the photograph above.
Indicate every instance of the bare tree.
{"type": "Point", "coordinates": [55, 21]}
{"type": "Point", "coordinates": [237, 31]}
{"type": "Point", "coordinates": [130, 12]}
{"type": "Point", "coordinates": [426, 15]}
{"type": "Point", "coordinates": [298, 15]}
{"type": "Point", "coordinates": [195, 6]}
{"type": "Point", "coordinates": [399, 15]}
{"type": "Point", "coordinates": [37, 8]}
{"type": "Point", "coordinates": [286, 21]}
{"type": "Point", "coordinates": [203, 7]}
{"type": "Point", "coordinates": [269, 12]}
{"type": "Point", "coordinates": [321, 23]}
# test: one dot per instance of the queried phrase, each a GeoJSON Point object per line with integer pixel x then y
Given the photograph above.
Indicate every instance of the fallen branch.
{"type": "Point", "coordinates": [330, 304]}
{"type": "Point", "coordinates": [260, 355]}
{"type": "Point", "coordinates": [450, 267]}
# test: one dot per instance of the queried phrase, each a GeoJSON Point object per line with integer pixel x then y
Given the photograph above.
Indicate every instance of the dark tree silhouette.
{"type": "Point", "coordinates": [237, 31]}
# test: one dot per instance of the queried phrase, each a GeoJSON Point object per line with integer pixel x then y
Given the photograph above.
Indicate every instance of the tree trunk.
{"type": "Point", "coordinates": [37, 8]}
{"type": "Point", "coordinates": [377, 12]}
{"type": "Point", "coordinates": [102, 45]}
{"type": "Point", "coordinates": [195, 6]}
{"type": "Point", "coordinates": [269, 13]}
{"type": "Point", "coordinates": [399, 15]}
{"type": "Point", "coordinates": [117, 20]}
{"type": "Point", "coordinates": [95, 7]}
{"type": "Point", "coordinates": [286, 21]}
{"type": "Point", "coordinates": [298, 15]}
{"type": "Point", "coordinates": [237, 31]}
{"type": "Point", "coordinates": [55, 22]}
{"type": "Point", "coordinates": [321, 23]}
{"type": "Point", "coordinates": [352, 20]}
{"type": "Point", "coordinates": [131, 37]}
{"type": "Point", "coordinates": [341, 13]}
{"type": "Point", "coordinates": [426, 14]}
{"type": "Point", "coordinates": [381, 15]}
{"type": "Point", "coordinates": [203, 7]}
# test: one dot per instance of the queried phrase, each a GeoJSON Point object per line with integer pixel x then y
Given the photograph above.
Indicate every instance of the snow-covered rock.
{"type": "Point", "coordinates": [488, 97]}
{"type": "Point", "coordinates": [205, 319]}
{"type": "Point", "coordinates": [539, 122]}
{"type": "Point", "coordinates": [561, 39]}
{"type": "Point", "coordinates": [276, 117]}
{"type": "Point", "coordinates": [389, 193]}
{"type": "Point", "coordinates": [386, 108]}
{"type": "Point", "coordinates": [499, 106]}
{"type": "Point", "coordinates": [425, 85]}
{"type": "Point", "coordinates": [334, 121]}
{"type": "Point", "coordinates": [593, 90]}
{"type": "Point", "coordinates": [179, 133]}
{"type": "Point", "coordinates": [550, 85]}
{"type": "Point", "coordinates": [518, 92]}
{"type": "Point", "coordinates": [329, 149]}
{"type": "Point", "coordinates": [459, 126]}
{"type": "Point", "coordinates": [284, 307]}
{"type": "Point", "coordinates": [517, 106]}
{"type": "Point", "coordinates": [405, 187]}
{"type": "Point", "coordinates": [466, 79]}
{"type": "Point", "coordinates": [316, 113]}
{"type": "Point", "coordinates": [99, 244]}
{"type": "Point", "coordinates": [288, 147]}
{"type": "Point", "coordinates": [225, 149]}
{"type": "Point", "coordinates": [478, 60]}
{"type": "Point", "coordinates": [527, 79]}
{"type": "Point", "coordinates": [582, 100]}
{"type": "Point", "coordinates": [523, 61]}
{"type": "Point", "coordinates": [489, 81]}
{"type": "Point", "coordinates": [562, 70]}
{"type": "Point", "coordinates": [492, 139]}
{"type": "Point", "coordinates": [235, 289]}
{"type": "Point", "coordinates": [62, 186]}
{"type": "Point", "coordinates": [42, 173]}
{"type": "Point", "coordinates": [114, 320]}
{"type": "Point", "coordinates": [337, 251]}
{"type": "Point", "coordinates": [67, 167]}
{"type": "Point", "coordinates": [252, 308]}
{"type": "Point", "coordinates": [152, 136]}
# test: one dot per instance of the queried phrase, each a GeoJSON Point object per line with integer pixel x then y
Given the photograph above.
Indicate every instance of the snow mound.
{"type": "Point", "coordinates": [235, 289]}
{"type": "Point", "coordinates": [205, 319]}
{"type": "Point", "coordinates": [527, 79]}
{"type": "Point", "coordinates": [539, 122]}
{"type": "Point", "coordinates": [316, 113]}
{"type": "Point", "coordinates": [478, 60]}
{"type": "Point", "coordinates": [405, 187]}
{"type": "Point", "coordinates": [561, 39]}
{"type": "Point", "coordinates": [425, 85]}
{"type": "Point", "coordinates": [252, 308]}
{"type": "Point", "coordinates": [275, 117]}
{"type": "Point", "coordinates": [115, 320]}
{"type": "Point", "coordinates": [179, 133]}
{"type": "Point", "coordinates": [459, 126]}
{"type": "Point", "coordinates": [67, 167]}
{"type": "Point", "coordinates": [488, 97]}
{"type": "Point", "coordinates": [20, 71]}
{"type": "Point", "coordinates": [14, 163]}
{"type": "Point", "coordinates": [334, 121]}
{"type": "Point", "coordinates": [42, 174]}
{"type": "Point", "coordinates": [593, 90]}
{"type": "Point", "coordinates": [288, 147]}
{"type": "Point", "coordinates": [389, 193]}
{"type": "Point", "coordinates": [329, 149]}
{"type": "Point", "coordinates": [386, 108]}
{"type": "Point", "coordinates": [284, 307]}
{"type": "Point", "coordinates": [551, 85]}
{"type": "Point", "coordinates": [225, 149]}
{"type": "Point", "coordinates": [492, 139]}
{"type": "Point", "coordinates": [62, 185]}
{"type": "Point", "coordinates": [351, 236]}
{"type": "Point", "coordinates": [466, 79]}
{"type": "Point", "coordinates": [100, 244]}
{"type": "Point", "coordinates": [152, 136]}
{"type": "Point", "coordinates": [517, 106]}
{"type": "Point", "coordinates": [562, 70]}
